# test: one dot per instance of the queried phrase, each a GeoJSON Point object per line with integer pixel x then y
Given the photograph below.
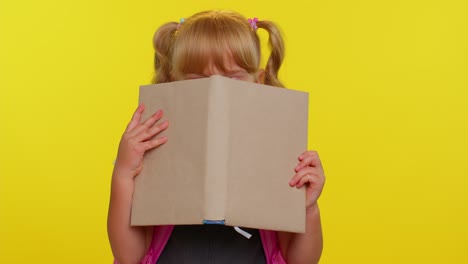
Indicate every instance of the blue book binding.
{"type": "Point", "coordinates": [214, 222]}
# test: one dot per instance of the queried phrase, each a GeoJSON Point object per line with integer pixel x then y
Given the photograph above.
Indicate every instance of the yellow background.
{"type": "Point", "coordinates": [388, 91]}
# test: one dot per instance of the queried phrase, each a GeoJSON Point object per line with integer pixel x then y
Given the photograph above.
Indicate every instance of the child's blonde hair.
{"type": "Point", "coordinates": [213, 36]}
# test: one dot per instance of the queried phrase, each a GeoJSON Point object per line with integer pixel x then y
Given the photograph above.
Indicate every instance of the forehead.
{"type": "Point", "coordinates": [227, 65]}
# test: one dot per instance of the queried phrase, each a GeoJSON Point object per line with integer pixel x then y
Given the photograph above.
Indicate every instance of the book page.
{"type": "Point", "coordinates": [170, 188]}
{"type": "Point", "coordinates": [268, 131]}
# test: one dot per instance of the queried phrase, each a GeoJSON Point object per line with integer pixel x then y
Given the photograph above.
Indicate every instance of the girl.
{"type": "Point", "coordinates": [208, 43]}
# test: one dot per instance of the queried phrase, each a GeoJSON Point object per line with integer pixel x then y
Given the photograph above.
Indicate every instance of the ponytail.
{"type": "Point", "coordinates": [163, 42]}
{"type": "Point", "coordinates": [275, 42]}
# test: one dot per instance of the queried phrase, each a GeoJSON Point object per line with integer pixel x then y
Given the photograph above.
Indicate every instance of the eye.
{"type": "Point", "coordinates": [239, 76]}
{"type": "Point", "coordinates": [192, 76]}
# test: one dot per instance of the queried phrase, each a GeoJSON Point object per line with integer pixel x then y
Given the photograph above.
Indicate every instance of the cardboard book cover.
{"type": "Point", "coordinates": [231, 151]}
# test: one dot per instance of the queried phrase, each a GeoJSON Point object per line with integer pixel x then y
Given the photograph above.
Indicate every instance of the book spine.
{"type": "Point", "coordinates": [217, 139]}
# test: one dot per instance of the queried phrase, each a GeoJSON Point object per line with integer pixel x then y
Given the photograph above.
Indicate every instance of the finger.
{"type": "Point", "coordinates": [303, 154]}
{"type": "Point", "coordinates": [307, 153]}
{"type": "Point", "coordinates": [309, 178]}
{"type": "Point", "coordinates": [310, 158]}
{"type": "Point", "coordinates": [149, 133]}
{"type": "Point", "coordinates": [135, 118]}
{"type": "Point", "coordinates": [300, 174]}
{"type": "Point", "coordinates": [153, 118]}
{"type": "Point", "coordinates": [148, 123]}
{"type": "Point", "coordinates": [155, 143]}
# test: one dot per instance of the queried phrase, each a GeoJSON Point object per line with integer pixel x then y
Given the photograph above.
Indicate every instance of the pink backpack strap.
{"type": "Point", "coordinates": [161, 235]}
{"type": "Point", "coordinates": [271, 247]}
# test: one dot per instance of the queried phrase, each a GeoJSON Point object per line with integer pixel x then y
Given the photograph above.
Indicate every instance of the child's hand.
{"type": "Point", "coordinates": [309, 172]}
{"type": "Point", "coordinates": [136, 140]}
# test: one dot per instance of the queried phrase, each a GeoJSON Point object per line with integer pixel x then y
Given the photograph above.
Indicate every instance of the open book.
{"type": "Point", "coordinates": [231, 151]}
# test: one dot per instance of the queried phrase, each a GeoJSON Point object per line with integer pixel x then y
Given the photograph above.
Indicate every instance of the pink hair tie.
{"type": "Point", "coordinates": [253, 23]}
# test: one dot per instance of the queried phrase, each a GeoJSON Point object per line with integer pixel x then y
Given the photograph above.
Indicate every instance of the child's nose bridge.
{"type": "Point", "coordinates": [212, 70]}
